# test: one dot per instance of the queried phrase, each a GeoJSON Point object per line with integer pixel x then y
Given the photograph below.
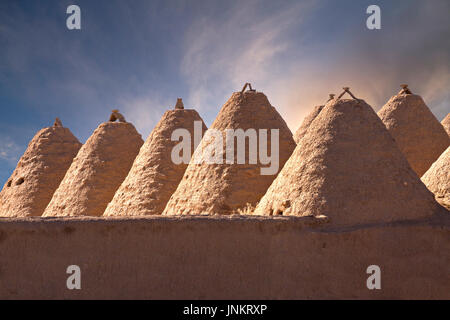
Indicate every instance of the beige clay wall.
{"type": "Point", "coordinates": [222, 258]}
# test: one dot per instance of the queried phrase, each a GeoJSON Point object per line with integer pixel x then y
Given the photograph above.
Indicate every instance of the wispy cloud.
{"type": "Point", "coordinates": [128, 56]}
{"type": "Point", "coordinates": [9, 150]}
{"type": "Point", "coordinates": [145, 111]}
{"type": "Point", "coordinates": [243, 45]}
{"type": "Point", "coordinates": [80, 76]}
{"type": "Point", "coordinates": [271, 51]}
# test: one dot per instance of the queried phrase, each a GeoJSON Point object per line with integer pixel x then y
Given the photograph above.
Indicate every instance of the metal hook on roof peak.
{"type": "Point", "coordinates": [249, 86]}
{"type": "Point", "coordinates": [347, 90]}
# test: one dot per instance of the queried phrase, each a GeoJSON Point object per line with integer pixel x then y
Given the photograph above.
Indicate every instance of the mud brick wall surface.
{"type": "Point", "coordinates": [225, 257]}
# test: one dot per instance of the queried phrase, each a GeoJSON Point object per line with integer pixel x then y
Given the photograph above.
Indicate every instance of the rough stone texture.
{"type": "Point", "coordinates": [97, 171]}
{"type": "Point", "coordinates": [446, 124]}
{"type": "Point", "coordinates": [306, 122]}
{"type": "Point", "coordinates": [418, 133]}
{"type": "Point", "coordinates": [437, 179]}
{"type": "Point", "coordinates": [225, 188]}
{"type": "Point", "coordinates": [39, 172]}
{"type": "Point", "coordinates": [227, 257]}
{"type": "Point", "coordinates": [154, 176]}
{"type": "Point", "coordinates": [349, 169]}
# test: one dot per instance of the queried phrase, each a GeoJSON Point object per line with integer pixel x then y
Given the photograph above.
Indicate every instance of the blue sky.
{"type": "Point", "coordinates": [139, 56]}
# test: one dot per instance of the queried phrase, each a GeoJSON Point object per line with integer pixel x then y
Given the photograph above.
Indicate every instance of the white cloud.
{"type": "Point", "coordinates": [244, 45]}
{"type": "Point", "coordinates": [9, 150]}
{"type": "Point", "coordinates": [267, 50]}
{"type": "Point", "coordinates": [144, 111]}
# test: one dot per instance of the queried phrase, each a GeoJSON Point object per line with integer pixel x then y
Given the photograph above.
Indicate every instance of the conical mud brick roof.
{"type": "Point", "coordinates": [39, 172]}
{"type": "Point", "coordinates": [307, 121]}
{"type": "Point", "coordinates": [348, 168]}
{"type": "Point", "coordinates": [418, 133]}
{"type": "Point", "coordinates": [437, 179]}
{"type": "Point", "coordinates": [97, 171]}
{"type": "Point", "coordinates": [446, 124]}
{"type": "Point", "coordinates": [212, 188]}
{"type": "Point", "coordinates": [154, 177]}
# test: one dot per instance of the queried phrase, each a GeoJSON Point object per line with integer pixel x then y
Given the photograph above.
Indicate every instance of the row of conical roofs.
{"type": "Point", "coordinates": [344, 162]}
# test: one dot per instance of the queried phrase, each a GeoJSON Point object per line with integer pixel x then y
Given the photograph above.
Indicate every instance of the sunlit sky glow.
{"type": "Point", "coordinates": [139, 56]}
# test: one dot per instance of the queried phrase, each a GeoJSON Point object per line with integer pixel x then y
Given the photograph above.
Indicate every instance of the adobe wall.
{"type": "Point", "coordinates": [222, 258]}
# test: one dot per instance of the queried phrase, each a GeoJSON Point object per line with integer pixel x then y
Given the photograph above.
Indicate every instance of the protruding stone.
{"type": "Point", "coordinates": [405, 89]}
{"type": "Point", "coordinates": [57, 122]}
{"type": "Point", "coordinates": [179, 104]}
{"type": "Point", "coordinates": [115, 115]}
